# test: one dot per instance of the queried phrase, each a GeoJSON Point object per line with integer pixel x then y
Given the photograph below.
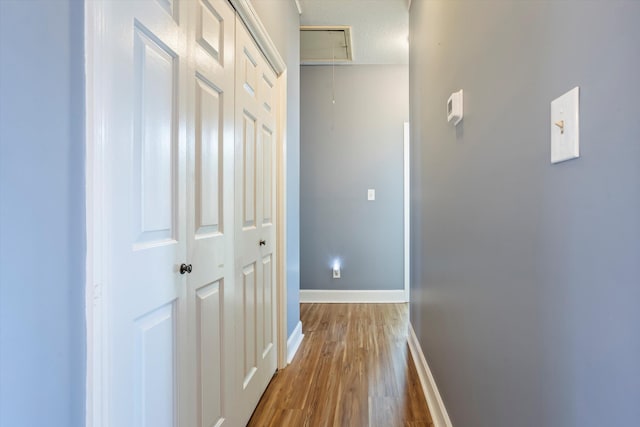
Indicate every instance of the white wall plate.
{"type": "Point", "coordinates": [565, 126]}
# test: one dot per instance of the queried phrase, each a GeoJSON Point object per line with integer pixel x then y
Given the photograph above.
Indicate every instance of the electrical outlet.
{"type": "Point", "coordinates": [336, 273]}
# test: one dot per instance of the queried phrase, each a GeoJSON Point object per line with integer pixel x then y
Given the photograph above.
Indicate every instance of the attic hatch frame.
{"type": "Point", "coordinates": [344, 29]}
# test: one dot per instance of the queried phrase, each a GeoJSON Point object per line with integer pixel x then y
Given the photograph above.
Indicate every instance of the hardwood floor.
{"type": "Point", "coordinates": [353, 369]}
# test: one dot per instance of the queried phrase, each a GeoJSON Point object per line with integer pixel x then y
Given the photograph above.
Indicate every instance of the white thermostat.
{"type": "Point", "coordinates": [454, 107]}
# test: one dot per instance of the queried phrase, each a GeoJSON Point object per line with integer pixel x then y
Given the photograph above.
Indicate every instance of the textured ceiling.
{"type": "Point", "coordinates": [380, 28]}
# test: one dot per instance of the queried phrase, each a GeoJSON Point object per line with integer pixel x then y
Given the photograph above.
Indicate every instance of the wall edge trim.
{"type": "Point", "coordinates": [437, 409]}
{"type": "Point", "coordinates": [294, 341]}
{"type": "Point", "coordinates": [352, 296]}
{"type": "Point", "coordinates": [406, 203]}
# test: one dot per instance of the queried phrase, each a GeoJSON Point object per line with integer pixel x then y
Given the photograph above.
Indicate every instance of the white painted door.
{"type": "Point", "coordinates": [255, 223]}
{"type": "Point", "coordinates": [189, 143]}
{"type": "Point", "coordinates": [210, 229]}
{"type": "Point", "coordinates": [145, 170]}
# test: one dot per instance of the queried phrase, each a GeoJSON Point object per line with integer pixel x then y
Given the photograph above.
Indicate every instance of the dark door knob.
{"type": "Point", "coordinates": [263, 242]}
{"type": "Point", "coordinates": [184, 268]}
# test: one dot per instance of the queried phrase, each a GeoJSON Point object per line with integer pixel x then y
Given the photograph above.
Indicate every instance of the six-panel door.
{"type": "Point", "coordinates": [194, 349]}
{"type": "Point", "coordinates": [255, 226]}
{"type": "Point", "coordinates": [210, 229]}
{"type": "Point", "coordinates": [145, 169]}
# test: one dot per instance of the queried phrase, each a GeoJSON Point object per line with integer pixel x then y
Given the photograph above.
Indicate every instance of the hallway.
{"type": "Point", "coordinates": [352, 369]}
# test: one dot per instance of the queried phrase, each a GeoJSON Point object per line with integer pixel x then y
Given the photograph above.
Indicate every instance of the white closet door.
{"type": "Point", "coordinates": [189, 134]}
{"type": "Point", "coordinates": [210, 229]}
{"type": "Point", "coordinates": [255, 223]}
{"type": "Point", "coordinates": [145, 176]}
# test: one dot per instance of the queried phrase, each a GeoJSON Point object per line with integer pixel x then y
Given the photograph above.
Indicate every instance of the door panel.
{"type": "Point", "coordinates": [249, 331]}
{"type": "Point", "coordinates": [268, 93]}
{"type": "Point", "coordinates": [248, 69]}
{"type": "Point", "coordinates": [249, 149]}
{"type": "Point", "coordinates": [211, 360]}
{"type": "Point", "coordinates": [255, 233]}
{"type": "Point", "coordinates": [210, 147]}
{"type": "Point", "coordinates": [154, 180]}
{"type": "Point", "coordinates": [145, 208]}
{"type": "Point", "coordinates": [209, 156]}
{"type": "Point", "coordinates": [267, 177]}
{"type": "Point", "coordinates": [210, 29]}
{"type": "Point", "coordinates": [155, 380]}
{"type": "Point", "coordinates": [168, 6]}
{"type": "Point", "coordinates": [267, 304]}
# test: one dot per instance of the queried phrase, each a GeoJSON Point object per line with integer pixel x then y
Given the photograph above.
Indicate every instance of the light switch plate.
{"type": "Point", "coordinates": [565, 126]}
{"type": "Point", "coordinates": [455, 107]}
{"type": "Point", "coordinates": [371, 194]}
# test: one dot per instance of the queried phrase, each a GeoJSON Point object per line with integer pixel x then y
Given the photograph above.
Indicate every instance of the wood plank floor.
{"type": "Point", "coordinates": [353, 369]}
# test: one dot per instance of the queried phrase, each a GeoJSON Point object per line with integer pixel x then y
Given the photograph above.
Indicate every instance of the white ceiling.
{"type": "Point", "coordinates": [380, 28]}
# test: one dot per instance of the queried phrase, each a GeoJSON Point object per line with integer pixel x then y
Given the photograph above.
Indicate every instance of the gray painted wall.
{"type": "Point", "coordinates": [526, 275]}
{"type": "Point", "coordinates": [281, 19]}
{"type": "Point", "coordinates": [347, 148]}
{"type": "Point", "coordinates": [42, 229]}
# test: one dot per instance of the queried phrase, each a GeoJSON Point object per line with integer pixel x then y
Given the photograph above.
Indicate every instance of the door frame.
{"type": "Point", "coordinates": [407, 209]}
{"type": "Point", "coordinates": [97, 274]}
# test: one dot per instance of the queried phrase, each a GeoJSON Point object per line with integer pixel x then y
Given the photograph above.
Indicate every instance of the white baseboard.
{"type": "Point", "coordinates": [294, 341]}
{"type": "Point", "coordinates": [342, 296]}
{"type": "Point", "coordinates": [438, 412]}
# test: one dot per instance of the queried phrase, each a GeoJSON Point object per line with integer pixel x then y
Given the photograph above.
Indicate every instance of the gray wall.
{"type": "Point", "coordinates": [42, 230]}
{"type": "Point", "coordinates": [281, 19]}
{"type": "Point", "coordinates": [347, 148]}
{"type": "Point", "coordinates": [526, 275]}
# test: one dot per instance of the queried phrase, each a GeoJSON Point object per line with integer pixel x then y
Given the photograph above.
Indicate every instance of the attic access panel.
{"type": "Point", "coordinates": [325, 44]}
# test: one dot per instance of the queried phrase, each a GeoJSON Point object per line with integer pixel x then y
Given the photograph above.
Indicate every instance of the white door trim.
{"type": "Point", "coordinates": [97, 385]}
{"type": "Point", "coordinates": [281, 220]}
{"type": "Point", "coordinates": [407, 210]}
{"type": "Point", "coordinates": [97, 276]}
